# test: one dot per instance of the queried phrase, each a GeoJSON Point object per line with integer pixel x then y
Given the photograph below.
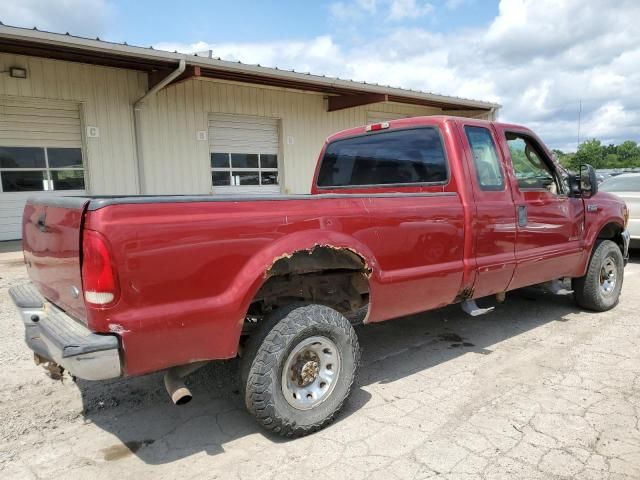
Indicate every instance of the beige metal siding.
{"type": "Point", "coordinates": [243, 134]}
{"type": "Point", "coordinates": [11, 206]}
{"type": "Point", "coordinates": [29, 123]}
{"type": "Point", "coordinates": [175, 162]}
{"type": "Point", "coordinates": [491, 115]}
{"type": "Point", "coordinates": [105, 95]}
{"type": "Point", "coordinates": [34, 123]}
{"type": "Point", "coordinates": [377, 117]}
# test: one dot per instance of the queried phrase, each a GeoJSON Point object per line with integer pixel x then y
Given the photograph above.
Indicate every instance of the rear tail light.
{"type": "Point", "coordinates": [625, 213]}
{"type": "Point", "coordinates": [99, 280]}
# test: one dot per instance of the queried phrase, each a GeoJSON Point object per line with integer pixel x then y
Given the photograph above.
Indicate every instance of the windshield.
{"type": "Point", "coordinates": [621, 184]}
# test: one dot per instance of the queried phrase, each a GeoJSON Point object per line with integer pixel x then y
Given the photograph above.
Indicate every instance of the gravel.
{"type": "Point", "coordinates": [536, 389]}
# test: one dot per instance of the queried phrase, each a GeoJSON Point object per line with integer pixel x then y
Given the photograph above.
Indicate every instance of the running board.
{"type": "Point", "coordinates": [472, 308]}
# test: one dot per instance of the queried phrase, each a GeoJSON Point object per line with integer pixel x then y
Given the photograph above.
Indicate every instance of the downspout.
{"type": "Point", "coordinates": [137, 118]}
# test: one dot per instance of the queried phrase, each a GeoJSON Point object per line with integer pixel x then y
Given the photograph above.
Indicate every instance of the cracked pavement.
{"type": "Point", "coordinates": [536, 389]}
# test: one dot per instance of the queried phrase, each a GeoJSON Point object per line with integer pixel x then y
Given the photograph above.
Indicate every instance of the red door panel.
{"type": "Point", "coordinates": [495, 222]}
{"type": "Point", "coordinates": [549, 222]}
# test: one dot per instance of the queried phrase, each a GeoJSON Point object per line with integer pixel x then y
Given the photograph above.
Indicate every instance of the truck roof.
{"type": "Point", "coordinates": [419, 121]}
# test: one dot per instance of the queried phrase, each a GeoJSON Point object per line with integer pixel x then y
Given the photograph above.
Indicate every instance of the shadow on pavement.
{"type": "Point", "coordinates": [139, 412]}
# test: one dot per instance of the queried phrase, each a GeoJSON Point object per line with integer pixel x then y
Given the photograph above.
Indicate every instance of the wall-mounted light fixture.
{"type": "Point", "coordinates": [17, 72]}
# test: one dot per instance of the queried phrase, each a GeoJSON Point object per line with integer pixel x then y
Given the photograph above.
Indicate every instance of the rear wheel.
{"type": "Point", "coordinates": [299, 368]}
{"type": "Point", "coordinates": [600, 288]}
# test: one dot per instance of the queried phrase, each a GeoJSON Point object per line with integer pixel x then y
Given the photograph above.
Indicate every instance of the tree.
{"type": "Point", "coordinates": [628, 153]}
{"type": "Point", "coordinates": [611, 160]}
{"type": "Point", "coordinates": [610, 149]}
{"type": "Point", "coordinates": [591, 152]}
{"type": "Point", "coordinates": [565, 159]}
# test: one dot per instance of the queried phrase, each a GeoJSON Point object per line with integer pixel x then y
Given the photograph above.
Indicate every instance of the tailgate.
{"type": "Point", "coordinates": [51, 235]}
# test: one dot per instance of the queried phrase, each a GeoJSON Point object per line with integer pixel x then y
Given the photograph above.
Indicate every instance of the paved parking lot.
{"type": "Point", "coordinates": [537, 389]}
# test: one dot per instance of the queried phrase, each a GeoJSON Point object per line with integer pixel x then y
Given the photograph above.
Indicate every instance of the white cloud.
{"type": "Point", "coordinates": [367, 5]}
{"type": "Point", "coordinates": [539, 59]}
{"type": "Point", "coordinates": [345, 10]}
{"type": "Point", "coordinates": [395, 10]}
{"type": "Point", "coordinates": [454, 4]}
{"type": "Point", "coordinates": [318, 55]}
{"type": "Point", "coordinates": [401, 9]}
{"type": "Point", "coordinates": [78, 17]}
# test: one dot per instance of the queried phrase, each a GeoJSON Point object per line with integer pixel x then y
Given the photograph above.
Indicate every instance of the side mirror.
{"type": "Point", "coordinates": [588, 181]}
{"type": "Point", "coordinates": [573, 182]}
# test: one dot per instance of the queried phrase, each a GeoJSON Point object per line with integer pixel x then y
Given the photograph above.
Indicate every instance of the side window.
{"type": "Point", "coordinates": [485, 158]}
{"type": "Point", "coordinates": [532, 172]}
{"type": "Point", "coordinates": [393, 157]}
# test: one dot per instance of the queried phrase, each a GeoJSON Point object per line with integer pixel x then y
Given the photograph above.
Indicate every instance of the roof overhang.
{"type": "Point", "coordinates": [158, 63]}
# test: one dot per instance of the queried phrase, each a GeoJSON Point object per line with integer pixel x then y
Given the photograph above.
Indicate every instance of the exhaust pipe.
{"type": "Point", "coordinates": [174, 384]}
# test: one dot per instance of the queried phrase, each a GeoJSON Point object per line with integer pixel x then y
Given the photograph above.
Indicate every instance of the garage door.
{"type": "Point", "coordinates": [40, 151]}
{"type": "Point", "coordinates": [377, 117]}
{"type": "Point", "coordinates": [244, 153]}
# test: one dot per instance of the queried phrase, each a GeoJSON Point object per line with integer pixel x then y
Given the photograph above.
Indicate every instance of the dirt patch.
{"type": "Point", "coordinates": [122, 450]}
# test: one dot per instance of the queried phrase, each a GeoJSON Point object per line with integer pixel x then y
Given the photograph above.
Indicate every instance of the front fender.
{"type": "Point", "coordinates": [600, 212]}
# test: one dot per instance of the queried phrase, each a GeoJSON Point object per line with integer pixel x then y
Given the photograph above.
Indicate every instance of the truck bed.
{"type": "Point", "coordinates": [188, 266]}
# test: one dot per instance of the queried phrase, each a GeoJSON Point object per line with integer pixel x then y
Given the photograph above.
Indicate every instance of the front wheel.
{"type": "Point", "coordinates": [299, 368]}
{"type": "Point", "coordinates": [600, 288]}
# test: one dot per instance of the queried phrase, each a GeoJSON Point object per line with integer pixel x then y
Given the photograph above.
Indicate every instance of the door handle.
{"type": "Point", "coordinates": [522, 215]}
{"type": "Point", "coordinates": [41, 222]}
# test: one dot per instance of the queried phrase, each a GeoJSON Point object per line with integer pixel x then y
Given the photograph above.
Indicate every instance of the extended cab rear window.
{"type": "Point", "coordinates": [392, 157]}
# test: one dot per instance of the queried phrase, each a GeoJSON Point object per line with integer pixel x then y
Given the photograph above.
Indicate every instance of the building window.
{"type": "Point", "coordinates": [395, 157]}
{"type": "Point", "coordinates": [240, 169]}
{"type": "Point", "coordinates": [37, 169]}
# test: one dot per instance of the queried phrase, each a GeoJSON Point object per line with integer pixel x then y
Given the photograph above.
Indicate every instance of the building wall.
{"type": "Point", "coordinates": [175, 162]}
{"type": "Point", "coordinates": [105, 94]}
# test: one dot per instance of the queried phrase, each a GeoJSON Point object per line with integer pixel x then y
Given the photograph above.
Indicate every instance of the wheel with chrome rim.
{"type": "Point", "coordinates": [310, 371]}
{"type": "Point", "coordinates": [299, 368]}
{"type": "Point", "coordinates": [600, 288]}
{"type": "Point", "coordinates": [608, 274]}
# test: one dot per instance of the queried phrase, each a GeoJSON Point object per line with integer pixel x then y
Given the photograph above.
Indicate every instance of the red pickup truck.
{"type": "Point", "coordinates": [403, 217]}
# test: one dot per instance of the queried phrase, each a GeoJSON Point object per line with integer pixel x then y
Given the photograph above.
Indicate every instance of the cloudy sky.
{"type": "Point", "coordinates": [538, 58]}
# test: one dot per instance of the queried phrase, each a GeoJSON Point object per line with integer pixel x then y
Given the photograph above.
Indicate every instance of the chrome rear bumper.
{"type": "Point", "coordinates": [55, 336]}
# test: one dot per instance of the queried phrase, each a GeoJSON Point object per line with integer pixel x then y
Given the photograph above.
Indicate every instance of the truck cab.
{"type": "Point", "coordinates": [526, 218]}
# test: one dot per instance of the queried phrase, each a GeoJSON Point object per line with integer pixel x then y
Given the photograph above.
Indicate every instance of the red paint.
{"type": "Point", "coordinates": [187, 271]}
{"type": "Point", "coordinates": [52, 253]}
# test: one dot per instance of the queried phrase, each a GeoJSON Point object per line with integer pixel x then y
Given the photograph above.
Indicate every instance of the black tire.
{"type": "Point", "coordinates": [266, 353]}
{"type": "Point", "coordinates": [587, 290]}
